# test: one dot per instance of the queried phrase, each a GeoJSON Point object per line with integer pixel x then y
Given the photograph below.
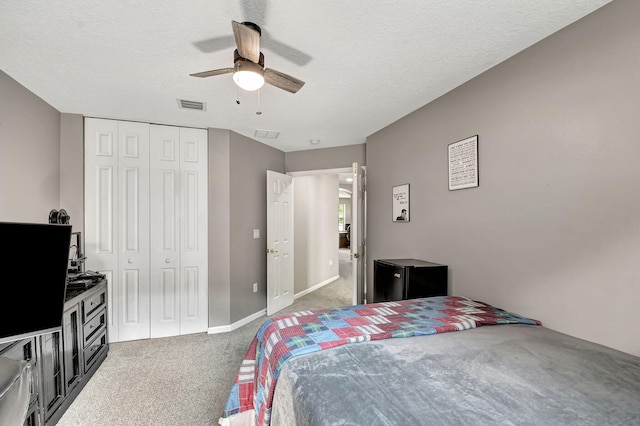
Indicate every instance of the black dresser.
{"type": "Point", "coordinates": [401, 279]}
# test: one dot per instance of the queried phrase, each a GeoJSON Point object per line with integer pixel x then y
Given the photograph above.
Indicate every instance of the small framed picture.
{"type": "Point", "coordinates": [400, 210]}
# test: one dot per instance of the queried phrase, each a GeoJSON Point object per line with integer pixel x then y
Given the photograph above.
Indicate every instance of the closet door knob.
{"type": "Point", "coordinates": [130, 260]}
{"type": "Point", "coordinates": [167, 260]}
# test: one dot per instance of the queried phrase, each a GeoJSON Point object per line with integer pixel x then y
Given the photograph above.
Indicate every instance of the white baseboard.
{"type": "Point", "coordinates": [237, 324]}
{"type": "Point", "coordinates": [316, 287]}
{"type": "Point", "coordinates": [246, 320]}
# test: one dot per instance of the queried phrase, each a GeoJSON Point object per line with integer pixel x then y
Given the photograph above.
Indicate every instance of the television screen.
{"type": "Point", "coordinates": [34, 259]}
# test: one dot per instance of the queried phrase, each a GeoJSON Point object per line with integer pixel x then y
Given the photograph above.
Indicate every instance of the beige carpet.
{"type": "Point", "coordinates": [182, 380]}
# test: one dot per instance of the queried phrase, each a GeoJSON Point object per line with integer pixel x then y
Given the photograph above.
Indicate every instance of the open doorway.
{"type": "Point", "coordinates": [322, 217]}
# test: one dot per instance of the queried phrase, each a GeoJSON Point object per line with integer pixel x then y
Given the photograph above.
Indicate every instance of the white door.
{"type": "Point", "coordinates": [358, 250]}
{"type": "Point", "coordinates": [132, 286]}
{"type": "Point", "coordinates": [165, 236]}
{"type": "Point", "coordinates": [101, 205]}
{"type": "Point", "coordinates": [194, 233]}
{"type": "Point", "coordinates": [178, 231]}
{"type": "Point", "coordinates": [116, 228]}
{"type": "Point", "coordinates": [279, 241]}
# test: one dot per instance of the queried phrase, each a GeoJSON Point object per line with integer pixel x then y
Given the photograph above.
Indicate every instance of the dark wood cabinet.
{"type": "Point", "coordinates": [83, 347]}
{"type": "Point", "coordinates": [63, 362]}
{"type": "Point", "coordinates": [51, 372]}
{"type": "Point", "coordinates": [402, 279]}
{"type": "Point", "coordinates": [72, 345]}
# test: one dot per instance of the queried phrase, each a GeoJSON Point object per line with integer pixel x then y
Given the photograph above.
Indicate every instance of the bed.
{"type": "Point", "coordinates": [459, 361]}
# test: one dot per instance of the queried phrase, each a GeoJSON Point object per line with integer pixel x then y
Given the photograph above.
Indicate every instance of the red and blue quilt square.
{"type": "Point", "coordinates": [294, 330]}
{"type": "Point", "coordinates": [298, 341]}
{"type": "Point", "coordinates": [357, 321]}
{"type": "Point", "coordinates": [346, 332]}
{"type": "Point", "coordinates": [363, 312]}
{"type": "Point", "coordinates": [312, 327]}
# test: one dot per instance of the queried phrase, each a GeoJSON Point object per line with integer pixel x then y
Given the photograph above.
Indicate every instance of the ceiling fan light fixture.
{"type": "Point", "coordinates": [248, 75]}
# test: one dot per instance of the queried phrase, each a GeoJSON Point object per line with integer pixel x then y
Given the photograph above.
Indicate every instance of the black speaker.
{"type": "Point", "coordinates": [59, 217]}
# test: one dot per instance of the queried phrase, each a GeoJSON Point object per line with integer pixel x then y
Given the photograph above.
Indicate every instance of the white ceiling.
{"type": "Point", "coordinates": [366, 63]}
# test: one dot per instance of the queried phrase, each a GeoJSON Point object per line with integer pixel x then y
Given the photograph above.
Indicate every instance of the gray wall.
{"type": "Point", "coordinates": [237, 205]}
{"type": "Point", "coordinates": [72, 168]}
{"type": "Point", "coordinates": [250, 161]}
{"type": "Point", "coordinates": [315, 230]}
{"type": "Point", "coordinates": [325, 158]}
{"type": "Point", "coordinates": [553, 230]}
{"type": "Point", "coordinates": [29, 140]}
{"type": "Point", "coordinates": [219, 227]}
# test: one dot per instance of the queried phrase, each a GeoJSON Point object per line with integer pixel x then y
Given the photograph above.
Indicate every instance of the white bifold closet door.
{"type": "Point", "coordinates": [146, 225]}
{"type": "Point", "coordinates": [178, 231]}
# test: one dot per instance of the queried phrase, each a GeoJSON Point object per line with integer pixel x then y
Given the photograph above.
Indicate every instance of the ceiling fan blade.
{"type": "Point", "coordinates": [282, 81]}
{"type": "Point", "coordinates": [212, 72]}
{"type": "Point", "coordinates": [247, 41]}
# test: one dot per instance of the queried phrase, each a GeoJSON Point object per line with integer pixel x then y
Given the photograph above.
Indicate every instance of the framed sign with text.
{"type": "Point", "coordinates": [463, 163]}
{"type": "Point", "coordinates": [400, 202]}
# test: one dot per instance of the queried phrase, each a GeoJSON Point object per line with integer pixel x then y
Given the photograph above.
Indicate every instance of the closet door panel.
{"type": "Point", "coordinates": [101, 204]}
{"type": "Point", "coordinates": [133, 230]}
{"type": "Point", "coordinates": [194, 231]}
{"type": "Point", "coordinates": [165, 235]}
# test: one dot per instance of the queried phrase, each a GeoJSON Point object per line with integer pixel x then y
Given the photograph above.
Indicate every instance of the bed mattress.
{"type": "Point", "coordinates": [507, 375]}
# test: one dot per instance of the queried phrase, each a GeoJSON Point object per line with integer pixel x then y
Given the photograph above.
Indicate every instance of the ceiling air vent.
{"type": "Point", "coordinates": [268, 134]}
{"type": "Point", "coordinates": [184, 104]}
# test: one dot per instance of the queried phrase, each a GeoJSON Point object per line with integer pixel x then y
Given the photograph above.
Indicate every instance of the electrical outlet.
{"type": "Point", "coordinates": [255, 287]}
{"type": "Point", "coordinates": [330, 262]}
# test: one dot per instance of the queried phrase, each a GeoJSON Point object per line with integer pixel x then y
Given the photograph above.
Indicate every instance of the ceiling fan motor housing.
{"type": "Point", "coordinates": [253, 27]}
{"type": "Point", "coordinates": [237, 58]}
{"type": "Point", "coordinates": [247, 65]}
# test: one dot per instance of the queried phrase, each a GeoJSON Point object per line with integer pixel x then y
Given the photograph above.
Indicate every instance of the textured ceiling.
{"type": "Point", "coordinates": [365, 63]}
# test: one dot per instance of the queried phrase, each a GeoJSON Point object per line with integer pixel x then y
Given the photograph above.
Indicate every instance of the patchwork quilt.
{"type": "Point", "coordinates": [285, 336]}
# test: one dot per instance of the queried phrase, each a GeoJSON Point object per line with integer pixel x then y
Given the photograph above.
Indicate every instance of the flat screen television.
{"type": "Point", "coordinates": [34, 258]}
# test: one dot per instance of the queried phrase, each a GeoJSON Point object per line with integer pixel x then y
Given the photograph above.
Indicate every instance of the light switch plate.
{"type": "Point", "coordinates": [256, 234]}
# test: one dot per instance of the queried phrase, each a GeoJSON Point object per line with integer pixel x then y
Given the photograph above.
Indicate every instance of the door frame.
{"type": "Point", "coordinates": [337, 171]}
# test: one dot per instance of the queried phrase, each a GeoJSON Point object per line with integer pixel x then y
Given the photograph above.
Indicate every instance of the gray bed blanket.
{"type": "Point", "coordinates": [506, 375]}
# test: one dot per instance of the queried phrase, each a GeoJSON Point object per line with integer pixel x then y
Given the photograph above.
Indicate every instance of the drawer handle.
{"type": "Point", "coordinates": [396, 275]}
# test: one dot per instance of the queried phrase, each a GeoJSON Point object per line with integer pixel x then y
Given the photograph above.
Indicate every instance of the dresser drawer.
{"type": "Point", "coordinates": [93, 303]}
{"type": "Point", "coordinates": [94, 350]}
{"type": "Point", "coordinates": [94, 326]}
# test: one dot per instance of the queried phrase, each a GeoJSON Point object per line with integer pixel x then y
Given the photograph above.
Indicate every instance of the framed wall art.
{"type": "Point", "coordinates": [400, 203]}
{"type": "Point", "coordinates": [463, 163]}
